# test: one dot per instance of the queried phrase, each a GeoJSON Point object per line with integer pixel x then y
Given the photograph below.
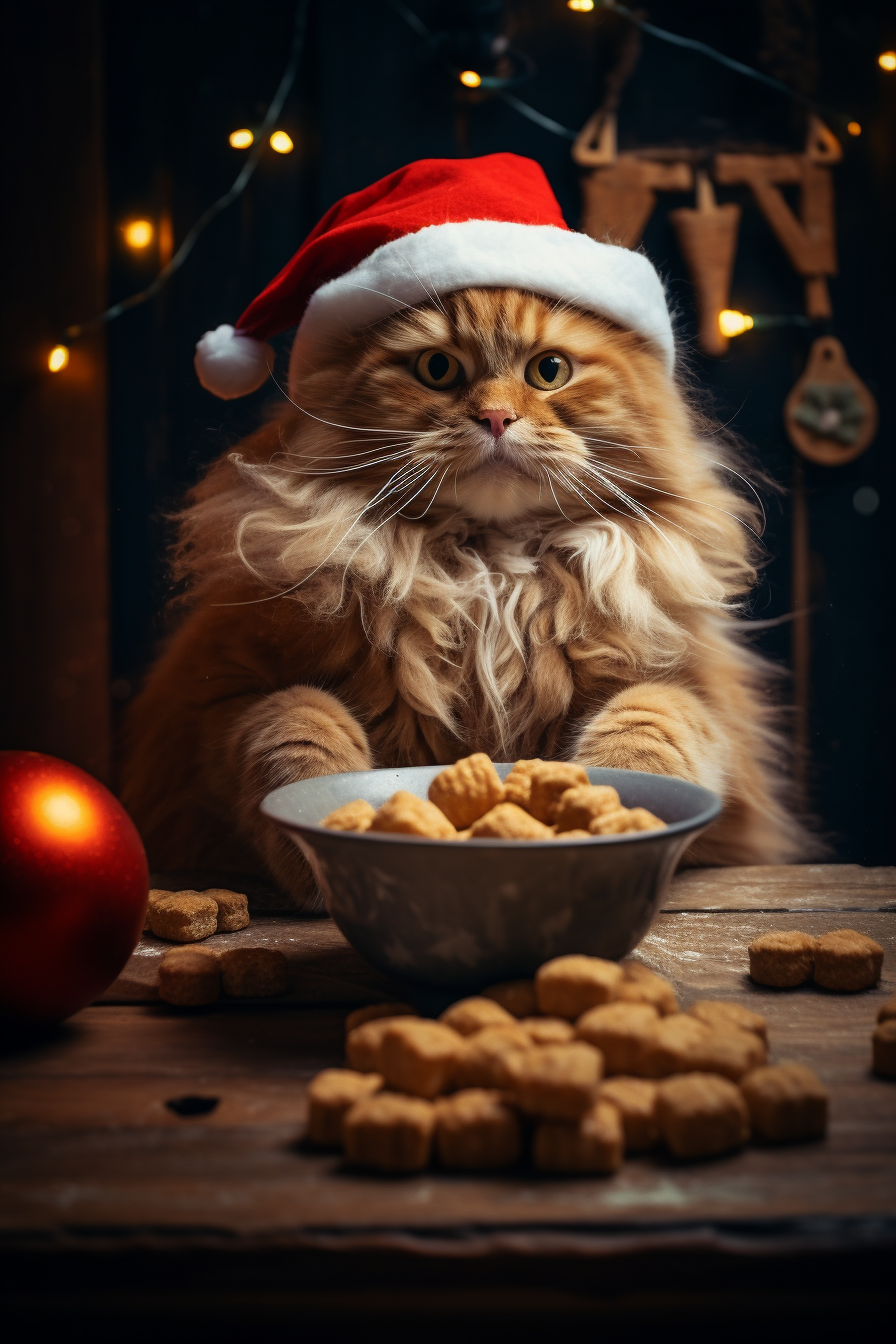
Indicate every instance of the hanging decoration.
{"type": "Point", "coordinates": [707, 239]}
{"type": "Point", "coordinates": [830, 415]}
{"type": "Point", "coordinates": [619, 193]}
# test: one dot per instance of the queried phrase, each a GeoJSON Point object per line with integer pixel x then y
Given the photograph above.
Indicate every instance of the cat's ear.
{"type": "Point", "coordinates": [231, 364]}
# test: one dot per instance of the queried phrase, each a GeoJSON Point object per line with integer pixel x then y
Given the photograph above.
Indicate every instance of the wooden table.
{"type": "Point", "coordinates": [112, 1202]}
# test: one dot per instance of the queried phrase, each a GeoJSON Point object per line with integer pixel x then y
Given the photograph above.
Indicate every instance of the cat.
{"type": "Point", "coordinates": [492, 523]}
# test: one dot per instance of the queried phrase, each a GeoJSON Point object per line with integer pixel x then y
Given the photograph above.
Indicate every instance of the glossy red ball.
{"type": "Point", "coordinates": [73, 887]}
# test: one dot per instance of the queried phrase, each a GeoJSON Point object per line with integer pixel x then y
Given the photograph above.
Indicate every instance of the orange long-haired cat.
{"type": "Point", "coordinates": [494, 525]}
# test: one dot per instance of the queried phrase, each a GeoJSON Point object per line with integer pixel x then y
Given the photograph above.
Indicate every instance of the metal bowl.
{"type": "Point", "coordinates": [468, 913]}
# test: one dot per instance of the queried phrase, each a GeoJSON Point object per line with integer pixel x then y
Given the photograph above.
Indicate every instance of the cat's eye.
{"type": "Point", "coordinates": [438, 370]}
{"type": "Point", "coordinates": [548, 371]}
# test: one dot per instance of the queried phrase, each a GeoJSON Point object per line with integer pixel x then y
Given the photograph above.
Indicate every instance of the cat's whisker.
{"type": "Point", "coordinates": [415, 518]}
{"type": "Point", "coordinates": [644, 508]}
{"type": "Point", "coordinates": [641, 511]}
{"type": "Point", "coordinates": [554, 493]}
{"type": "Point", "coordinates": [357, 429]}
{"type": "Point", "coordinates": [670, 494]}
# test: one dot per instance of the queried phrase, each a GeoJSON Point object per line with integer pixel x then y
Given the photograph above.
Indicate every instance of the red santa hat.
{"type": "Point", "coordinates": [436, 226]}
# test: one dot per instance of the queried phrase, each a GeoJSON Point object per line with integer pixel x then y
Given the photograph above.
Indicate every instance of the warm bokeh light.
{"type": "Point", "coordinates": [281, 142]}
{"type": "Point", "coordinates": [138, 234]}
{"type": "Point", "coordinates": [57, 358]}
{"type": "Point", "coordinates": [733, 323]}
{"type": "Point", "coordinates": [580, 6]}
{"type": "Point", "coordinates": [240, 139]}
{"type": "Point", "coordinates": [854, 128]}
{"type": "Point", "coordinates": [887, 60]}
{"type": "Point", "coordinates": [470, 79]}
{"type": "Point", "coordinates": [62, 813]}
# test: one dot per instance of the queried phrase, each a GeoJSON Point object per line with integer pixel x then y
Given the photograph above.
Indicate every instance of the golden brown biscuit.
{"type": "Point", "coordinates": [477, 1131]}
{"type": "Point", "coordinates": [364, 1043]}
{"type": "Point", "coordinates": [579, 805]}
{"type": "Point", "coordinates": [847, 961]}
{"type": "Point", "coordinates": [883, 1048]}
{"type": "Point", "coordinates": [723, 1013]}
{"type": "Point", "coordinates": [621, 1032]}
{"type": "Point", "coordinates": [389, 1133]}
{"type": "Point", "coordinates": [639, 819]}
{"type": "Point", "coordinates": [330, 1094]}
{"type": "Point", "coordinates": [642, 985]}
{"type": "Point", "coordinates": [593, 1145]}
{"type": "Point", "coordinates": [483, 1060]}
{"type": "Point", "coordinates": [509, 822]}
{"type": "Point", "coordinates": [233, 909]}
{"type": "Point", "coordinates": [569, 986]}
{"type": "Point", "coordinates": [418, 1056]}
{"type": "Point", "coordinates": [518, 783]}
{"type": "Point", "coordinates": [635, 1099]}
{"type": "Point", "coordinates": [677, 1044]}
{"type": "Point", "coordinates": [550, 780]}
{"type": "Point", "coordinates": [548, 1030]}
{"type": "Point", "coordinates": [467, 790]}
{"type": "Point", "coordinates": [183, 916]}
{"type": "Point", "coordinates": [354, 816]}
{"type": "Point", "coordinates": [700, 1115]}
{"type": "Point", "coordinates": [555, 1082]}
{"type": "Point", "coordinates": [406, 814]}
{"type": "Point", "coordinates": [253, 972]}
{"type": "Point", "coordinates": [359, 1016]}
{"type": "Point", "coordinates": [517, 996]}
{"type": "Point", "coordinates": [887, 1010]}
{"type": "Point", "coordinates": [154, 894]}
{"type": "Point", "coordinates": [782, 959]}
{"type": "Point", "coordinates": [468, 1016]}
{"type": "Point", "coordinates": [787, 1102]}
{"type": "Point", "coordinates": [189, 977]}
{"type": "Point", "coordinates": [611, 823]}
{"type": "Point", "coordinates": [573, 835]}
{"type": "Point", "coordinates": [731, 1052]}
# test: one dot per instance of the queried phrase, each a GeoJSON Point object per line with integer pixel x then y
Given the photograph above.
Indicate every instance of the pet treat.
{"type": "Point", "coordinates": [635, 1099]}
{"type": "Point", "coordinates": [847, 961]}
{"type": "Point", "coordinates": [787, 1102]}
{"type": "Point", "coordinates": [611, 823]}
{"type": "Point", "coordinates": [579, 805]}
{"type": "Point", "coordinates": [483, 1059]}
{"type": "Point", "coordinates": [621, 1032]}
{"type": "Point", "coordinates": [375, 1010]}
{"type": "Point", "coordinates": [731, 1052]}
{"type": "Point", "coordinates": [405, 814]}
{"type": "Point", "coordinates": [518, 783]}
{"type": "Point", "coordinates": [418, 1056]}
{"type": "Point", "coordinates": [330, 1095]}
{"type": "Point", "coordinates": [189, 977]}
{"type": "Point", "coordinates": [700, 1115]}
{"type": "Point", "coordinates": [548, 1030]}
{"type": "Point", "coordinates": [642, 985]}
{"type": "Point", "coordinates": [354, 816]}
{"type": "Point", "coordinates": [477, 1131]}
{"type": "Point", "coordinates": [154, 894]}
{"type": "Point", "coordinates": [468, 1016]}
{"type": "Point", "coordinates": [573, 835]}
{"type": "Point", "coordinates": [556, 1082]}
{"type": "Point", "coordinates": [517, 996]}
{"type": "Point", "coordinates": [253, 972]}
{"type": "Point", "coordinates": [782, 959]}
{"type": "Point", "coordinates": [550, 780]}
{"type": "Point", "coordinates": [883, 1047]}
{"type": "Point", "coordinates": [233, 909]}
{"type": "Point", "coordinates": [363, 1044]}
{"type": "Point", "coordinates": [723, 1014]}
{"type": "Point", "coordinates": [389, 1133]}
{"type": "Point", "coordinates": [183, 916]}
{"type": "Point", "coordinates": [569, 986]}
{"type": "Point", "coordinates": [595, 1145]}
{"type": "Point", "coordinates": [509, 822]}
{"type": "Point", "coordinates": [677, 1044]}
{"type": "Point", "coordinates": [640, 819]}
{"type": "Point", "coordinates": [467, 790]}
{"type": "Point", "coordinates": [887, 1010]}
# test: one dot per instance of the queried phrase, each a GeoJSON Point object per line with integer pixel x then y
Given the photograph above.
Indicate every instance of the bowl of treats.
{"type": "Point", "coordinates": [462, 875]}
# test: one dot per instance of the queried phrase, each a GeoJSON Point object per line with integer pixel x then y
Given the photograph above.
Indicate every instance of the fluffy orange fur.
{"type": "Point", "coordinates": [376, 579]}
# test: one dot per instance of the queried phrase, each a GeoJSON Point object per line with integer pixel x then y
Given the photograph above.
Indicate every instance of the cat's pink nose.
{"type": "Point", "coordinates": [496, 421]}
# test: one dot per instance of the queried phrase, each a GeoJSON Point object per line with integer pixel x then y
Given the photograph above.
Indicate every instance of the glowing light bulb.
{"type": "Point", "coordinates": [470, 79]}
{"type": "Point", "coordinates": [57, 358]}
{"type": "Point", "coordinates": [887, 60]}
{"type": "Point", "coordinates": [733, 323]}
{"type": "Point", "coordinates": [854, 128]}
{"type": "Point", "coordinates": [138, 234]}
{"type": "Point", "coordinates": [580, 6]}
{"type": "Point", "coordinates": [240, 139]}
{"type": "Point", "coordinates": [281, 143]}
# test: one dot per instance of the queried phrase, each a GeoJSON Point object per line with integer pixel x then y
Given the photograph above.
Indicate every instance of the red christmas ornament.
{"type": "Point", "coordinates": [73, 887]}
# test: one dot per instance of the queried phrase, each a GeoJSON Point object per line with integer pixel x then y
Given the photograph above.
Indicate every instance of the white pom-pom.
{"type": "Point", "coordinates": [230, 364]}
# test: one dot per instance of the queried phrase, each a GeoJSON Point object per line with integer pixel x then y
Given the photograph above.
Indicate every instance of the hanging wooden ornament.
{"type": "Point", "coordinates": [619, 193]}
{"type": "Point", "coordinates": [707, 238]}
{"type": "Point", "coordinates": [830, 415]}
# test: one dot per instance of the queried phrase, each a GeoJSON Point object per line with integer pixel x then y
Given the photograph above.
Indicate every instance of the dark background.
{"type": "Point", "coordinates": [167, 86]}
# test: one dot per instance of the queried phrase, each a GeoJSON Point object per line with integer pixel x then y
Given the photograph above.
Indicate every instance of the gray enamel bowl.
{"type": "Point", "coordinates": [468, 913]}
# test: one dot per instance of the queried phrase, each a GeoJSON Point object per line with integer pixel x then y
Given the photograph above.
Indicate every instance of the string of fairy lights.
{"type": "Point", "coordinates": [139, 234]}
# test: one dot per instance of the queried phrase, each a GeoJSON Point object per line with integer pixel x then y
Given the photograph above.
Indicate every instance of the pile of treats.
{"type": "Point", "coordinates": [590, 1061]}
{"type": "Point", "coordinates": [539, 800]}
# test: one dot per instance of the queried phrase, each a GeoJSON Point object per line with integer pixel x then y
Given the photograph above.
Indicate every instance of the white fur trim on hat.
{"type": "Point", "coordinates": [612, 281]}
{"type": "Point", "coordinates": [230, 364]}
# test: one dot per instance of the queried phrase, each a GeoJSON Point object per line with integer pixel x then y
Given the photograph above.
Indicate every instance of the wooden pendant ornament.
{"type": "Point", "coordinates": [707, 239]}
{"type": "Point", "coordinates": [830, 415]}
{"type": "Point", "coordinates": [619, 193]}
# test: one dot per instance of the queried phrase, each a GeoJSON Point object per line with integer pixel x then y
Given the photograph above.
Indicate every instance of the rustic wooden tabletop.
{"type": "Point", "coordinates": [95, 1162]}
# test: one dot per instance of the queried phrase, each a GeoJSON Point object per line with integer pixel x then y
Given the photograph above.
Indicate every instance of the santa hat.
{"type": "Point", "coordinates": [436, 226]}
